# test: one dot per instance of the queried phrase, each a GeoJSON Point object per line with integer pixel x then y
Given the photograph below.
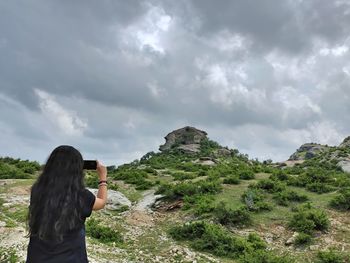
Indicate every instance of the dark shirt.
{"type": "Point", "coordinates": [73, 247]}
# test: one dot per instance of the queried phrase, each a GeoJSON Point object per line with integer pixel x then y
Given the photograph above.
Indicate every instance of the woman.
{"type": "Point", "coordinates": [59, 205]}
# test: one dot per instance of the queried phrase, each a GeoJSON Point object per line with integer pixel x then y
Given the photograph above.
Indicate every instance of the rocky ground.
{"type": "Point", "coordinates": [143, 230]}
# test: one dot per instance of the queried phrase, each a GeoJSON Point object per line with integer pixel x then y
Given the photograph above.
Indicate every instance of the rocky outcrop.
{"type": "Point", "coordinates": [345, 143]}
{"type": "Point", "coordinates": [115, 199]}
{"type": "Point", "coordinates": [345, 165]}
{"type": "Point", "coordinates": [187, 138]}
{"type": "Point", "coordinates": [308, 151]}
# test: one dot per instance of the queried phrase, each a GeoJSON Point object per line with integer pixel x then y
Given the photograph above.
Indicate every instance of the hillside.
{"type": "Point", "coordinates": [197, 201]}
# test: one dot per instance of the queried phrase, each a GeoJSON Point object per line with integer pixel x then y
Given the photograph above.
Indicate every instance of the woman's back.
{"type": "Point", "coordinates": [73, 247]}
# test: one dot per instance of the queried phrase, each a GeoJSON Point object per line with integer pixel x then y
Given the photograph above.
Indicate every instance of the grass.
{"type": "Point", "coordinates": [8, 255]}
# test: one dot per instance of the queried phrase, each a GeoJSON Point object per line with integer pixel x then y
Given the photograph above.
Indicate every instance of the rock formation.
{"type": "Point", "coordinates": [187, 138]}
{"type": "Point", "coordinates": [345, 143]}
{"type": "Point", "coordinates": [115, 200]}
{"type": "Point", "coordinates": [308, 151]}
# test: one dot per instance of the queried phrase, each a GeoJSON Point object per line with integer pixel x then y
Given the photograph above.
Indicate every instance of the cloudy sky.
{"type": "Point", "coordinates": [112, 78]}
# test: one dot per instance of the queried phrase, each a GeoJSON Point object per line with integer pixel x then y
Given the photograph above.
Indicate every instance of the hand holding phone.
{"type": "Point", "coordinates": [90, 165]}
{"type": "Point", "coordinates": [101, 170]}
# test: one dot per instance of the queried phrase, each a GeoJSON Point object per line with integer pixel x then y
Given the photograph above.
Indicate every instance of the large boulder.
{"type": "Point", "coordinates": [187, 138]}
{"type": "Point", "coordinates": [115, 199]}
{"type": "Point", "coordinates": [345, 143]}
{"type": "Point", "coordinates": [308, 151]}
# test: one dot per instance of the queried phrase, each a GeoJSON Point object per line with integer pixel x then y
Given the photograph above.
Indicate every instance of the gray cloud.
{"type": "Point", "coordinates": [114, 77]}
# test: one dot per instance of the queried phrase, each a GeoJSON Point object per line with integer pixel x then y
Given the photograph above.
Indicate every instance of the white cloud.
{"type": "Point", "coordinates": [155, 90]}
{"type": "Point", "coordinates": [226, 41]}
{"type": "Point", "coordinates": [149, 30]}
{"type": "Point", "coordinates": [337, 51]}
{"type": "Point", "coordinates": [291, 99]}
{"type": "Point", "coordinates": [67, 121]}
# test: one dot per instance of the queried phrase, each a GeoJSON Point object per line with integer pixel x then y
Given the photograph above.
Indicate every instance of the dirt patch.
{"type": "Point", "coordinates": [139, 218]}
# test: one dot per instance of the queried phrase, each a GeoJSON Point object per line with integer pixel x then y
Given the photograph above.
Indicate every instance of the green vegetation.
{"type": "Point", "coordinates": [254, 200]}
{"type": "Point", "coordinates": [130, 174]}
{"type": "Point", "coordinates": [17, 169]}
{"type": "Point", "coordinates": [342, 200]}
{"type": "Point", "coordinates": [331, 256]}
{"type": "Point", "coordinates": [286, 196]}
{"type": "Point", "coordinates": [303, 239]}
{"type": "Point", "coordinates": [102, 233]}
{"type": "Point", "coordinates": [228, 216]}
{"type": "Point", "coordinates": [233, 179]}
{"type": "Point", "coordinates": [234, 193]}
{"type": "Point", "coordinates": [306, 219]}
{"type": "Point", "coordinates": [217, 240]}
{"type": "Point", "coordinates": [8, 255]}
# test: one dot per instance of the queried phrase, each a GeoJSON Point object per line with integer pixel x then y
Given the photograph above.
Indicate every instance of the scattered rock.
{"type": "Point", "coordinates": [345, 165]}
{"type": "Point", "coordinates": [115, 199]}
{"type": "Point", "coordinates": [292, 239]}
{"type": "Point", "coordinates": [314, 247]}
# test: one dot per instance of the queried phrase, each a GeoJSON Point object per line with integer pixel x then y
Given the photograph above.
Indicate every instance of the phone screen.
{"type": "Point", "coordinates": [90, 165]}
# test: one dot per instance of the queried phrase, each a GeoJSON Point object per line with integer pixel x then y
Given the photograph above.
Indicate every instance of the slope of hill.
{"type": "Point", "coordinates": [316, 154]}
{"type": "Point", "coordinates": [196, 201]}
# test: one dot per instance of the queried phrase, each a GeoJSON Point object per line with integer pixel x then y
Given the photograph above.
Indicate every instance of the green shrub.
{"type": "Point", "coordinates": [306, 219]}
{"type": "Point", "coordinates": [227, 216]}
{"type": "Point", "coordinates": [218, 241]}
{"type": "Point", "coordinates": [102, 233]}
{"type": "Point", "coordinates": [286, 196]}
{"type": "Point", "coordinates": [302, 239]}
{"type": "Point", "coordinates": [179, 190]}
{"type": "Point", "coordinates": [91, 180]}
{"type": "Point", "coordinates": [330, 256]}
{"type": "Point", "coordinates": [246, 175]}
{"type": "Point", "coordinates": [133, 176]}
{"type": "Point", "coordinates": [254, 200]}
{"type": "Point", "coordinates": [201, 204]}
{"type": "Point", "coordinates": [279, 175]}
{"type": "Point", "coordinates": [342, 200]}
{"type": "Point", "coordinates": [202, 173]}
{"type": "Point", "coordinates": [319, 187]}
{"type": "Point", "coordinates": [233, 179]}
{"type": "Point", "coordinates": [211, 238]}
{"type": "Point", "coordinates": [270, 186]}
{"type": "Point", "coordinates": [182, 176]}
{"type": "Point", "coordinates": [150, 170]}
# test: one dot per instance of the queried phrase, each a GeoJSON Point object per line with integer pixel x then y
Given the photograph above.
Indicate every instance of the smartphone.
{"type": "Point", "coordinates": [90, 165]}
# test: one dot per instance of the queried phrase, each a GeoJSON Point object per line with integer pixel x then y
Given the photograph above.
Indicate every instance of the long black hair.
{"type": "Point", "coordinates": [54, 200]}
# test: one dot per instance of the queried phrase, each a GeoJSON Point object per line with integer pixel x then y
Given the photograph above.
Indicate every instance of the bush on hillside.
{"type": "Point", "coordinates": [201, 204]}
{"type": "Point", "coordinates": [246, 175]}
{"type": "Point", "coordinates": [233, 179]}
{"type": "Point", "coordinates": [303, 239]}
{"type": "Point", "coordinates": [306, 219]}
{"type": "Point", "coordinates": [133, 176]}
{"type": "Point", "coordinates": [254, 200]}
{"type": "Point", "coordinates": [102, 233]}
{"type": "Point", "coordinates": [320, 188]}
{"type": "Point", "coordinates": [330, 256]}
{"type": "Point", "coordinates": [181, 176]}
{"type": "Point", "coordinates": [342, 200]}
{"type": "Point", "coordinates": [270, 186]}
{"type": "Point", "coordinates": [286, 196]}
{"type": "Point", "coordinates": [8, 171]}
{"type": "Point", "coordinates": [179, 190]}
{"type": "Point", "coordinates": [279, 175]}
{"type": "Point", "coordinates": [218, 241]}
{"type": "Point", "coordinates": [235, 217]}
